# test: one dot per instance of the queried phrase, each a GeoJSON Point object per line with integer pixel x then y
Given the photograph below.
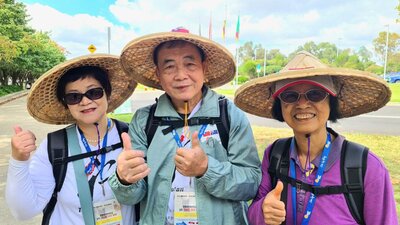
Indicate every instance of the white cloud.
{"type": "Point", "coordinates": [77, 32]}
{"type": "Point", "coordinates": [274, 24]}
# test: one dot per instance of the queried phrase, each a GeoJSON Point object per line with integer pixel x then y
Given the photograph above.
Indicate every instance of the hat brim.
{"type": "Point", "coordinates": [137, 59]}
{"type": "Point", "coordinates": [43, 104]}
{"type": "Point", "coordinates": [358, 92]}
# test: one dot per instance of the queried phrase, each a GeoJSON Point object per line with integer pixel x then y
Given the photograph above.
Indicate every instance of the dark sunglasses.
{"type": "Point", "coordinates": [75, 98]}
{"type": "Point", "coordinates": [312, 95]}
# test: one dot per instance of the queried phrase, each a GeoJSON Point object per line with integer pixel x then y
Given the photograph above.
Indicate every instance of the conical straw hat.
{"type": "Point", "coordinates": [358, 92]}
{"type": "Point", "coordinates": [43, 104]}
{"type": "Point", "coordinates": [137, 58]}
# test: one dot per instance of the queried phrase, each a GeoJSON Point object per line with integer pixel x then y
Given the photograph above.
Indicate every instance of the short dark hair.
{"type": "Point", "coordinates": [83, 72]}
{"type": "Point", "coordinates": [334, 113]}
{"type": "Point", "coordinates": [174, 44]}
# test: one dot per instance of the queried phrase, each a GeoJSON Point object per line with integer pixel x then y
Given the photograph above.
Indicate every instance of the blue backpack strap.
{"type": "Point", "coordinates": [85, 196]}
{"type": "Point", "coordinates": [57, 149]}
{"type": "Point", "coordinates": [353, 167]}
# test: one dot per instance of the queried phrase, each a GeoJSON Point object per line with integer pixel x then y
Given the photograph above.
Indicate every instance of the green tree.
{"type": "Point", "coordinates": [24, 53]}
{"type": "Point", "coordinates": [380, 44]}
{"type": "Point", "coordinates": [14, 20]}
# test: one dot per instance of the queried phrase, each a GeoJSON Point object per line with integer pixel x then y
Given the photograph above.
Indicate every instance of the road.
{"type": "Point", "coordinates": [384, 121]}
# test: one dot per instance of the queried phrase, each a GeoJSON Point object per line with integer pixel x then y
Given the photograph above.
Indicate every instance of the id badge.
{"type": "Point", "coordinates": [185, 211]}
{"type": "Point", "coordinates": [107, 212]}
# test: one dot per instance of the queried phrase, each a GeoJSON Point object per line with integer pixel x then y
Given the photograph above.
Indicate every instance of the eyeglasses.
{"type": "Point", "coordinates": [75, 98]}
{"type": "Point", "coordinates": [312, 95]}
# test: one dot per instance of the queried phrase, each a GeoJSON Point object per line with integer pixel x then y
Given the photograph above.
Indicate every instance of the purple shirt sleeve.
{"type": "Point", "coordinates": [379, 203]}
{"type": "Point", "coordinates": [255, 213]}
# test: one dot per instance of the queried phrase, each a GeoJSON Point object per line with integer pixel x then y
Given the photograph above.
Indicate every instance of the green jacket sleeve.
{"type": "Point", "coordinates": [132, 194]}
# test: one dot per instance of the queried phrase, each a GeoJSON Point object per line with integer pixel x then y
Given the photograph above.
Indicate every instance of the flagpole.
{"type": "Point", "coordinates": [237, 68]}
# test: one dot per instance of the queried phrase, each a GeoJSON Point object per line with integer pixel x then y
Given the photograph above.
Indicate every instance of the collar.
{"type": "Point", "coordinates": [334, 155]}
{"type": "Point", "coordinates": [209, 107]}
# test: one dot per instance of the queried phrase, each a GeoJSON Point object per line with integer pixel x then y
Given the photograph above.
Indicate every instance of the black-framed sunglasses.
{"type": "Point", "coordinates": [75, 98]}
{"type": "Point", "coordinates": [313, 95]}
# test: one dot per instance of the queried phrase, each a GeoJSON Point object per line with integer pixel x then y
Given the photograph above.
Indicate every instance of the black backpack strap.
{"type": "Point", "coordinates": [279, 164]}
{"type": "Point", "coordinates": [152, 124]}
{"type": "Point", "coordinates": [353, 167]}
{"type": "Point", "coordinates": [121, 127]}
{"type": "Point", "coordinates": [223, 125]}
{"type": "Point", "coordinates": [57, 148]}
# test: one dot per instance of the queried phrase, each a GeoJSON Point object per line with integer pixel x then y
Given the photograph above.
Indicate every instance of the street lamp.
{"type": "Point", "coordinates": [386, 51]}
{"type": "Point", "coordinates": [337, 47]}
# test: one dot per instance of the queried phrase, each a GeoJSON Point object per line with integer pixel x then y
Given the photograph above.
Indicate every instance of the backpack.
{"type": "Point", "coordinates": [352, 170]}
{"type": "Point", "coordinates": [57, 148]}
{"type": "Point", "coordinates": [222, 122]}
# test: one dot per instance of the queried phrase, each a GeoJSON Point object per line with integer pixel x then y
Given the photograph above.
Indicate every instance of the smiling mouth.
{"type": "Point", "coordinates": [304, 116]}
{"type": "Point", "coordinates": [88, 110]}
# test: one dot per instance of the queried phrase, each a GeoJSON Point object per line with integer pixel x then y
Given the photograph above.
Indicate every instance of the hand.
{"type": "Point", "coordinates": [131, 166]}
{"type": "Point", "coordinates": [191, 162]}
{"type": "Point", "coordinates": [22, 144]}
{"type": "Point", "coordinates": [273, 208]}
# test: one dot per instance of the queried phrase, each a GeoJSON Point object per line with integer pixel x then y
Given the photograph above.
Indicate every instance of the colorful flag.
{"type": "Point", "coordinates": [223, 30]}
{"type": "Point", "coordinates": [210, 28]}
{"type": "Point", "coordinates": [237, 29]}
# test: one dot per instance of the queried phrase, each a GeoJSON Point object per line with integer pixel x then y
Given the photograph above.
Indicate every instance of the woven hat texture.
{"type": "Point", "coordinates": [137, 58]}
{"type": "Point", "coordinates": [358, 92]}
{"type": "Point", "coordinates": [43, 104]}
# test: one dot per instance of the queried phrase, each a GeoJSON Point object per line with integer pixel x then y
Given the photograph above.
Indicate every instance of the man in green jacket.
{"type": "Point", "coordinates": [185, 175]}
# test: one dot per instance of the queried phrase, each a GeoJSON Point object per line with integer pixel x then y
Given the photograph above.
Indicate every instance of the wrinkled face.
{"type": "Point", "coordinates": [304, 116]}
{"type": "Point", "coordinates": [87, 111]}
{"type": "Point", "coordinates": [181, 72]}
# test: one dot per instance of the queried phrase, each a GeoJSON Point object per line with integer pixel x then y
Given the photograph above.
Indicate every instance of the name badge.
{"type": "Point", "coordinates": [185, 208]}
{"type": "Point", "coordinates": [107, 212]}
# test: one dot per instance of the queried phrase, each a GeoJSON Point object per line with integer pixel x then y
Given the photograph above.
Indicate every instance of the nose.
{"type": "Point", "coordinates": [85, 100]}
{"type": "Point", "coordinates": [302, 99]}
{"type": "Point", "coordinates": [181, 73]}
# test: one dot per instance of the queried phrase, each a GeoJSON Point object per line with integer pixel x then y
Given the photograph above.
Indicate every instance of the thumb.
{"type": "Point", "coordinates": [195, 139]}
{"type": "Point", "coordinates": [278, 190]}
{"type": "Point", "coordinates": [126, 141]}
{"type": "Point", "coordinates": [17, 129]}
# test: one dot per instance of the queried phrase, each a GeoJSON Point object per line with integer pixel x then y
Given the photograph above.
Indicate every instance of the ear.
{"type": "Point", "coordinates": [205, 66]}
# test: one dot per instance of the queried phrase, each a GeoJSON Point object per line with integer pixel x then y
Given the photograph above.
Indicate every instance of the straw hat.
{"type": "Point", "coordinates": [358, 92]}
{"type": "Point", "coordinates": [43, 104]}
{"type": "Point", "coordinates": [137, 58]}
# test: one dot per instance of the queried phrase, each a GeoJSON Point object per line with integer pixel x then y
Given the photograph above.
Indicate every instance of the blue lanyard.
{"type": "Point", "coordinates": [103, 156]}
{"type": "Point", "coordinates": [178, 140]}
{"type": "Point", "coordinates": [317, 181]}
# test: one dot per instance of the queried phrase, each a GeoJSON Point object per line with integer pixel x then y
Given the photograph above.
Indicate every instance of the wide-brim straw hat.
{"type": "Point", "coordinates": [137, 58]}
{"type": "Point", "coordinates": [43, 104]}
{"type": "Point", "coordinates": [358, 92]}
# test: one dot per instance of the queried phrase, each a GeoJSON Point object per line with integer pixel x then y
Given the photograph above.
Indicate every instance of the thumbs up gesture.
{"type": "Point", "coordinates": [192, 162]}
{"type": "Point", "coordinates": [273, 208]}
{"type": "Point", "coordinates": [131, 166]}
{"type": "Point", "coordinates": [22, 144]}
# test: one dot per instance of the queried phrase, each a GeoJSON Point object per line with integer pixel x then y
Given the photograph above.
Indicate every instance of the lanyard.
{"type": "Point", "coordinates": [178, 141]}
{"type": "Point", "coordinates": [317, 181]}
{"type": "Point", "coordinates": [93, 162]}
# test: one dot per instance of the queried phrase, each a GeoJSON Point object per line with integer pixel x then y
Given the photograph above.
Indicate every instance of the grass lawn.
{"type": "Point", "coordinates": [384, 146]}
{"type": "Point", "coordinates": [395, 92]}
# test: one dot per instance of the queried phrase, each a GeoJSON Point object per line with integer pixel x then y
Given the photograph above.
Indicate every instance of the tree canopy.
{"type": "Point", "coordinates": [25, 54]}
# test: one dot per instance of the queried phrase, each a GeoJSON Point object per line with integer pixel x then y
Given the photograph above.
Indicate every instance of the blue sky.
{"type": "Point", "coordinates": [275, 24]}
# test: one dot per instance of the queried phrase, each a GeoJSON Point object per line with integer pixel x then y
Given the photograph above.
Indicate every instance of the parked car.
{"type": "Point", "coordinates": [393, 77]}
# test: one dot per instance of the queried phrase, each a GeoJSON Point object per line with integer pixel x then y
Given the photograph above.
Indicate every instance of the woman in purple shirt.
{"type": "Point", "coordinates": [305, 95]}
